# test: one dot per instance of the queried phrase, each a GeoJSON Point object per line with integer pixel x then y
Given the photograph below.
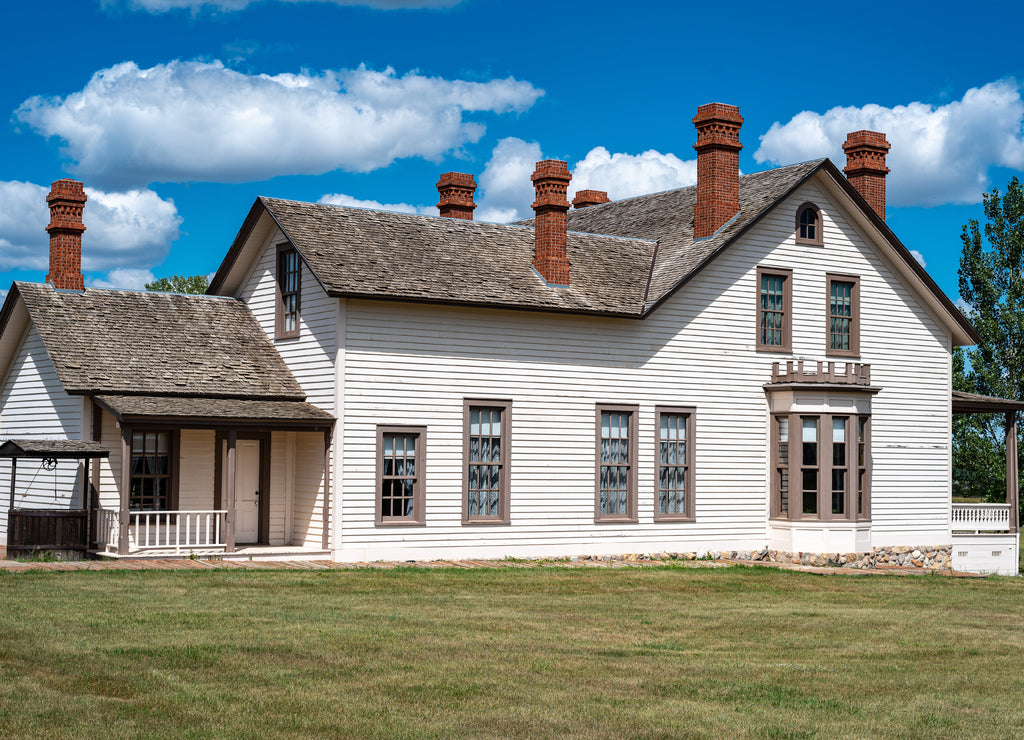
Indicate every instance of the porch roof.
{"type": "Point", "coordinates": [76, 449]}
{"type": "Point", "coordinates": [200, 410]}
{"type": "Point", "coordinates": [970, 403]}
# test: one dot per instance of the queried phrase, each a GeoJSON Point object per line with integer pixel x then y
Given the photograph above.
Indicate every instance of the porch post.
{"type": "Point", "coordinates": [229, 494]}
{"type": "Point", "coordinates": [126, 483]}
{"type": "Point", "coordinates": [87, 501]}
{"type": "Point", "coordinates": [14, 474]}
{"type": "Point", "coordinates": [327, 490]}
{"type": "Point", "coordinates": [1012, 481]}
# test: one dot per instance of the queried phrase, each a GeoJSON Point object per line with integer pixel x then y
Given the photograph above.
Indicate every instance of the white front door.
{"type": "Point", "coordinates": [247, 491]}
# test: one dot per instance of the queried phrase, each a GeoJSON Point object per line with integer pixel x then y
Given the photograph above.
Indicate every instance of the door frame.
{"type": "Point", "coordinates": [263, 504]}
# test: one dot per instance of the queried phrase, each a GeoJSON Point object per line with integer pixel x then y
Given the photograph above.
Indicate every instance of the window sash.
{"type": "Point", "coordinates": [151, 471]}
{"type": "Point", "coordinates": [485, 461]}
{"type": "Point", "coordinates": [774, 309]}
{"type": "Point", "coordinates": [289, 286]}
{"type": "Point", "coordinates": [400, 475]}
{"type": "Point", "coordinates": [673, 472]}
{"type": "Point", "coordinates": [842, 315]}
{"type": "Point", "coordinates": [616, 463]}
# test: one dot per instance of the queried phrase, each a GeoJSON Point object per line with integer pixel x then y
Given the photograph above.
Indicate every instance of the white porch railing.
{"type": "Point", "coordinates": [164, 530]}
{"type": "Point", "coordinates": [981, 518]}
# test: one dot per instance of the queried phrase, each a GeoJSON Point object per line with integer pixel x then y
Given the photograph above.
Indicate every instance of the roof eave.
{"type": "Point", "coordinates": [257, 209]}
{"type": "Point", "coordinates": [483, 304]}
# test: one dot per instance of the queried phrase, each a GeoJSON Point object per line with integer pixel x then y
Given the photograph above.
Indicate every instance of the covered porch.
{"type": "Point", "coordinates": [206, 477]}
{"type": "Point", "coordinates": [986, 535]}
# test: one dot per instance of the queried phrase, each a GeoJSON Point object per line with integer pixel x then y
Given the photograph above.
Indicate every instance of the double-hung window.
{"type": "Point", "coordinates": [843, 315]}
{"type": "Point", "coordinates": [674, 464]}
{"type": "Point", "coordinates": [486, 461]}
{"type": "Point", "coordinates": [774, 309]}
{"type": "Point", "coordinates": [400, 475]}
{"type": "Point", "coordinates": [616, 464]}
{"type": "Point", "coordinates": [153, 479]}
{"type": "Point", "coordinates": [289, 292]}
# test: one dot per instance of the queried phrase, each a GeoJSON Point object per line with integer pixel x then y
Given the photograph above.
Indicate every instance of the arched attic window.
{"type": "Point", "coordinates": [808, 225]}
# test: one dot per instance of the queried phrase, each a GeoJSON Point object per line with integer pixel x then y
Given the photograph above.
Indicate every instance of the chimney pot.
{"type": "Point", "coordinates": [551, 206]}
{"type": "Point", "coordinates": [456, 190]}
{"type": "Point", "coordinates": [865, 166]}
{"type": "Point", "coordinates": [66, 200]}
{"type": "Point", "coordinates": [718, 167]}
{"type": "Point", "coordinates": [586, 198]}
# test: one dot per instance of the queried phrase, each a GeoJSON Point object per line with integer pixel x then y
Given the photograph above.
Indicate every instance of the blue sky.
{"type": "Point", "coordinates": [177, 113]}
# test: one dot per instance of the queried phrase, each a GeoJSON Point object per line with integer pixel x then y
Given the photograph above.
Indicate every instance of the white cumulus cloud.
{"type": "Point", "coordinates": [626, 175]}
{"type": "Point", "coordinates": [940, 154]}
{"type": "Point", "coordinates": [196, 6]}
{"type": "Point", "coordinates": [123, 279]}
{"type": "Point", "coordinates": [505, 181]}
{"type": "Point", "coordinates": [508, 190]}
{"type": "Point", "coordinates": [123, 230]}
{"type": "Point", "coordinates": [200, 121]}
{"type": "Point", "coordinates": [340, 199]}
{"type": "Point", "coordinates": [919, 257]}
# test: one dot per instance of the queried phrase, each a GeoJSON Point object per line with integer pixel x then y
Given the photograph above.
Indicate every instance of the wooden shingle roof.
{"type": "Point", "coordinates": [375, 254]}
{"type": "Point", "coordinates": [125, 342]}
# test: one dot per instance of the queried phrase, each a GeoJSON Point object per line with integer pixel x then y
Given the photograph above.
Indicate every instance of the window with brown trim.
{"type": "Point", "coordinates": [485, 458]}
{"type": "Point", "coordinates": [843, 296]}
{"type": "Point", "coordinates": [832, 473]}
{"type": "Point", "coordinates": [774, 309]}
{"type": "Point", "coordinates": [400, 474]}
{"type": "Point", "coordinates": [863, 467]}
{"type": "Point", "coordinates": [289, 292]}
{"type": "Point", "coordinates": [674, 464]}
{"type": "Point", "coordinates": [154, 479]}
{"type": "Point", "coordinates": [616, 464]}
{"type": "Point", "coordinates": [808, 225]}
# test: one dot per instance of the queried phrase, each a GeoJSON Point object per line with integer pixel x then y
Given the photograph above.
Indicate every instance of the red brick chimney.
{"type": "Point", "coordinates": [550, 256]}
{"type": "Point", "coordinates": [456, 189]}
{"type": "Point", "coordinates": [586, 198]}
{"type": "Point", "coordinates": [66, 200]}
{"type": "Point", "coordinates": [718, 167]}
{"type": "Point", "coordinates": [865, 166]}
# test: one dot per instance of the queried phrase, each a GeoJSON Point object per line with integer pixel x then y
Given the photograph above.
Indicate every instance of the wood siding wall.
{"type": "Point", "coordinates": [414, 364]}
{"type": "Point", "coordinates": [33, 404]}
{"type": "Point", "coordinates": [196, 470]}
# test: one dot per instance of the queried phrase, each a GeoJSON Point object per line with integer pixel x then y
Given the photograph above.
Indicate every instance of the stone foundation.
{"type": "Point", "coordinates": [931, 557]}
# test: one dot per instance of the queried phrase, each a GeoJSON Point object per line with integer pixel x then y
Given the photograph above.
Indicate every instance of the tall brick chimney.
{"type": "Point", "coordinates": [865, 166]}
{"type": "Point", "coordinates": [456, 189]}
{"type": "Point", "coordinates": [586, 198]}
{"type": "Point", "coordinates": [718, 167]}
{"type": "Point", "coordinates": [550, 256]}
{"type": "Point", "coordinates": [66, 200]}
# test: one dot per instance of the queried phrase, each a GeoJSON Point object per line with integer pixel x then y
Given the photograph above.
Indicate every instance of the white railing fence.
{"type": "Point", "coordinates": [106, 529]}
{"type": "Point", "coordinates": [164, 530]}
{"type": "Point", "coordinates": [981, 518]}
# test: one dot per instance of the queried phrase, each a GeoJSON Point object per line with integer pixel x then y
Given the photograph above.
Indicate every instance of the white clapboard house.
{"type": "Point", "coordinates": [754, 363]}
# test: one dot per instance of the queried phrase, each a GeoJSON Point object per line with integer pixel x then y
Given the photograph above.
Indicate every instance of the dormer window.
{"type": "Point", "coordinates": [808, 225]}
{"type": "Point", "coordinates": [289, 293]}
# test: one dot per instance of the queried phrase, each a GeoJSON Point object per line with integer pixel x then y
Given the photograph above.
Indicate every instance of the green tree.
{"type": "Point", "coordinates": [992, 284]}
{"type": "Point", "coordinates": [196, 284]}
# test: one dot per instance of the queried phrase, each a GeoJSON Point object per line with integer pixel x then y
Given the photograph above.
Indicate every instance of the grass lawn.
{"type": "Point", "coordinates": [509, 652]}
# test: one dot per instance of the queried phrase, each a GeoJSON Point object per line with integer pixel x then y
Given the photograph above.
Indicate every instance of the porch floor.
{"type": "Point", "coordinates": [242, 552]}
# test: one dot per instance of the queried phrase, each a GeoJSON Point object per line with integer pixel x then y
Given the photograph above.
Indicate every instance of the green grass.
{"type": "Point", "coordinates": [509, 652]}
